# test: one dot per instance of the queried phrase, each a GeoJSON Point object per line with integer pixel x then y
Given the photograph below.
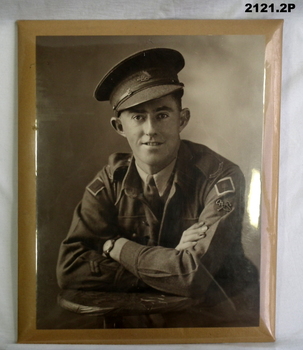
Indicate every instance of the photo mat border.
{"type": "Point", "coordinates": [27, 32]}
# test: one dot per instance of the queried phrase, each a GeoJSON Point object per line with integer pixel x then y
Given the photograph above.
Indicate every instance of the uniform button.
{"type": "Point", "coordinates": [144, 222]}
{"type": "Point", "coordinates": [134, 235]}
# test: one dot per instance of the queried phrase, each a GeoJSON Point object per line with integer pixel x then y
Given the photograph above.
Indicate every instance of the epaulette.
{"type": "Point", "coordinates": [118, 164]}
{"type": "Point", "coordinates": [96, 186]}
{"type": "Point", "coordinates": [208, 161]}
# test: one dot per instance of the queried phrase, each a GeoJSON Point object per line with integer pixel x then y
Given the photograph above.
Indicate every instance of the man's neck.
{"type": "Point", "coordinates": [150, 169]}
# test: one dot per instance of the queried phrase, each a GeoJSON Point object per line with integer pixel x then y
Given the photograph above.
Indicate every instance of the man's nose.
{"type": "Point", "coordinates": [150, 126]}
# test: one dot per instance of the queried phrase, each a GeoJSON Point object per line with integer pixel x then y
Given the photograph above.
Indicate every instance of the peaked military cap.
{"type": "Point", "coordinates": [141, 77]}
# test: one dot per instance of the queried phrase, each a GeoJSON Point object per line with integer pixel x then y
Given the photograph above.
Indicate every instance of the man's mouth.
{"type": "Point", "coordinates": [152, 143]}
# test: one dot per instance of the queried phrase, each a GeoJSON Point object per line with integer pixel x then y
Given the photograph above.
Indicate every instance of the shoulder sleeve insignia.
{"type": "Point", "coordinates": [224, 185]}
{"type": "Point", "coordinates": [225, 206]}
{"type": "Point", "coordinates": [95, 186]}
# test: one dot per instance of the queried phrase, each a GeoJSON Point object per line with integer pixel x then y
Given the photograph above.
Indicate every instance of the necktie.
{"type": "Point", "coordinates": [152, 196]}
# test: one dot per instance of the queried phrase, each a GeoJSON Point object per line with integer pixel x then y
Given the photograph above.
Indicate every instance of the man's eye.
{"type": "Point", "coordinates": [162, 116]}
{"type": "Point", "coordinates": [138, 117]}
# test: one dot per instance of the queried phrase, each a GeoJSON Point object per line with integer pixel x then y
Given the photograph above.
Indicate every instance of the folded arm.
{"type": "Point", "coordinates": [186, 270]}
{"type": "Point", "coordinates": [189, 269]}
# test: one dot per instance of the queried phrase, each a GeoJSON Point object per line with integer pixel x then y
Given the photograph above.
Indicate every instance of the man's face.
{"type": "Point", "coordinates": [152, 130]}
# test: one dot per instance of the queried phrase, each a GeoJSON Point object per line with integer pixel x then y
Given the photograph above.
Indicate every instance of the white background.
{"type": "Point", "coordinates": [290, 236]}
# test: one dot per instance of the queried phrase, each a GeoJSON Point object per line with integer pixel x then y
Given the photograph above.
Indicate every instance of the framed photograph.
{"type": "Point", "coordinates": [148, 180]}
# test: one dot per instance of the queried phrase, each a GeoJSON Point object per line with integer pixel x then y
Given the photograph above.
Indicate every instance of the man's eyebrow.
{"type": "Point", "coordinates": [164, 108]}
{"type": "Point", "coordinates": [136, 110]}
{"type": "Point", "coordinates": [142, 110]}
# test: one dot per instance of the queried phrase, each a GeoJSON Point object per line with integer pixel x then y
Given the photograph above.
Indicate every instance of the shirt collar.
{"type": "Point", "coordinates": [161, 178]}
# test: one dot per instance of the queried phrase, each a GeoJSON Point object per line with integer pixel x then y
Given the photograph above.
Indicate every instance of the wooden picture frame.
{"type": "Point", "coordinates": [57, 60]}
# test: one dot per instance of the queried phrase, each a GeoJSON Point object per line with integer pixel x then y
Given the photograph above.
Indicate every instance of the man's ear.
{"type": "Point", "coordinates": [184, 118]}
{"type": "Point", "coordinates": [117, 125]}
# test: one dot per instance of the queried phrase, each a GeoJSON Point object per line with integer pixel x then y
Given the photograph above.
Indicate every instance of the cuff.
{"type": "Point", "coordinates": [129, 256]}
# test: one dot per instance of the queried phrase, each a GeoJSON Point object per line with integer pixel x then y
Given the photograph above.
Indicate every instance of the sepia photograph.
{"type": "Point", "coordinates": [149, 178]}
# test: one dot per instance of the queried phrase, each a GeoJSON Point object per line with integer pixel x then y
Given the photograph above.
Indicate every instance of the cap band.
{"type": "Point", "coordinates": [130, 93]}
{"type": "Point", "coordinates": [140, 81]}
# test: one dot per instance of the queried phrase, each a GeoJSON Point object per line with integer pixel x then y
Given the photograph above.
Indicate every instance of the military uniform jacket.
{"type": "Point", "coordinates": [206, 187]}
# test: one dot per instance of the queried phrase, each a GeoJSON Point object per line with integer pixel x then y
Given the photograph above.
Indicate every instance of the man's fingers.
{"type": "Point", "coordinates": [199, 230]}
{"type": "Point", "coordinates": [195, 235]}
{"type": "Point", "coordinates": [195, 226]}
{"type": "Point", "coordinates": [192, 235]}
{"type": "Point", "coordinates": [202, 231]}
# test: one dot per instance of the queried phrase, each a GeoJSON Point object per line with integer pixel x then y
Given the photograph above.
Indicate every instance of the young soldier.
{"type": "Point", "coordinates": [167, 217]}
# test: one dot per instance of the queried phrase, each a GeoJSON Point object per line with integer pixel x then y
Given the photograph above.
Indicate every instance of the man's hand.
{"type": "Point", "coordinates": [193, 234]}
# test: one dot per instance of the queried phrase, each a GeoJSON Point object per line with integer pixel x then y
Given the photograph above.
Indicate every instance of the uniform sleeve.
{"type": "Point", "coordinates": [80, 263]}
{"type": "Point", "coordinates": [190, 272]}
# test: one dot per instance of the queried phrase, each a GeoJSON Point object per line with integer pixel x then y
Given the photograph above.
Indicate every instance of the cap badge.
{"type": "Point", "coordinates": [144, 76]}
